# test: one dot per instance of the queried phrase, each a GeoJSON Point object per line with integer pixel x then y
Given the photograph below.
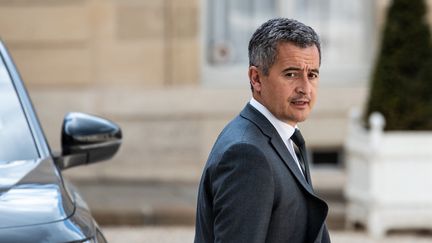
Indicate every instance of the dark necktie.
{"type": "Point", "coordinates": [299, 141]}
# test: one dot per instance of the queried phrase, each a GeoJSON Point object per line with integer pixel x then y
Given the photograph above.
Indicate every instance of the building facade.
{"type": "Point", "coordinates": [173, 72]}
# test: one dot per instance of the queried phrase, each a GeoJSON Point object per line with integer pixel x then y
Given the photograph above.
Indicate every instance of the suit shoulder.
{"type": "Point", "coordinates": [240, 130]}
{"type": "Point", "coordinates": [240, 137]}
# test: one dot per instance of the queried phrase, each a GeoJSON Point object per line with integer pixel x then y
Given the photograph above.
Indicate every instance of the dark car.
{"type": "Point", "coordinates": [36, 203]}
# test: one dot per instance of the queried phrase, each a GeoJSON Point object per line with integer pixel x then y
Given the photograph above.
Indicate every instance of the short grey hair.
{"type": "Point", "coordinates": [264, 42]}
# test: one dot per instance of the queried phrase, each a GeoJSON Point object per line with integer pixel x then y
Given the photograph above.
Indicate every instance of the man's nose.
{"type": "Point", "coordinates": [303, 85]}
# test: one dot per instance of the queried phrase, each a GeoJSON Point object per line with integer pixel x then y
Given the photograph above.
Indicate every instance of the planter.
{"type": "Point", "coordinates": [389, 177]}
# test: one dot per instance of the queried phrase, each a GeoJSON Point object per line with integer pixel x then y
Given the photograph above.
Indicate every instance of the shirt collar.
{"type": "Point", "coordinates": [284, 130]}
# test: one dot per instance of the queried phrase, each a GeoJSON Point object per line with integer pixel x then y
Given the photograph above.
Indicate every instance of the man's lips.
{"type": "Point", "coordinates": [300, 102]}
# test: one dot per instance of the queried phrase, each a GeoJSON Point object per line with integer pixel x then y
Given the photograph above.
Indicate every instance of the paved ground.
{"type": "Point", "coordinates": [185, 235]}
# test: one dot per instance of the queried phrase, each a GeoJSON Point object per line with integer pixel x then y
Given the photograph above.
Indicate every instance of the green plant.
{"type": "Point", "coordinates": [401, 87]}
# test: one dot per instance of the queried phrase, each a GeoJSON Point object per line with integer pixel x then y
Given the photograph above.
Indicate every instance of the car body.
{"type": "Point", "coordinates": [36, 203]}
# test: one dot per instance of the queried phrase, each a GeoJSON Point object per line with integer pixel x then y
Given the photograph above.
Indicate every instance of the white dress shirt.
{"type": "Point", "coordinates": [284, 130]}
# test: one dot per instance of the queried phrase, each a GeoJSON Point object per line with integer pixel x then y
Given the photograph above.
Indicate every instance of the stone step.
{"type": "Point", "coordinates": [115, 203]}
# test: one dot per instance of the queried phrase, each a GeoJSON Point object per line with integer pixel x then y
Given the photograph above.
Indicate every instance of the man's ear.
{"type": "Point", "coordinates": [255, 78]}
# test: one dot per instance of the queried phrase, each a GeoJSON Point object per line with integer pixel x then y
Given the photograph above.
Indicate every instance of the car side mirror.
{"type": "Point", "coordinates": [87, 139]}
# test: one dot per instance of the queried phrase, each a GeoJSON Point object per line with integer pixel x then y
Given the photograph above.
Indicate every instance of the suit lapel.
{"type": "Point", "coordinates": [287, 158]}
{"type": "Point", "coordinates": [317, 228]}
{"type": "Point", "coordinates": [250, 113]}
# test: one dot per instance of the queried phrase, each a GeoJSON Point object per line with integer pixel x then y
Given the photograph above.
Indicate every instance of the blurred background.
{"type": "Point", "coordinates": [172, 73]}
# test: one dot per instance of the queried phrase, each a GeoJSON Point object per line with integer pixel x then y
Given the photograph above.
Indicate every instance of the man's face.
{"type": "Point", "coordinates": [289, 91]}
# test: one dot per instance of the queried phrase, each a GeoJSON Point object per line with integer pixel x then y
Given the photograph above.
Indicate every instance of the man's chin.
{"type": "Point", "coordinates": [301, 119]}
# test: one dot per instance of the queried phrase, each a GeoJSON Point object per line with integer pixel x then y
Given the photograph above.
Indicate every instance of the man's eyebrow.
{"type": "Point", "coordinates": [315, 70]}
{"type": "Point", "coordinates": [291, 69]}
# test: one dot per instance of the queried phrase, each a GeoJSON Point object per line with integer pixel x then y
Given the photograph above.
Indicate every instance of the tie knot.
{"type": "Point", "coordinates": [297, 138]}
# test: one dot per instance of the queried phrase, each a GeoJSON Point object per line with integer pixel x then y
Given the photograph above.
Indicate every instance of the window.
{"type": "Point", "coordinates": [16, 139]}
{"type": "Point", "coordinates": [345, 27]}
{"type": "Point", "coordinates": [327, 157]}
{"type": "Point", "coordinates": [231, 24]}
{"type": "Point", "coordinates": [347, 36]}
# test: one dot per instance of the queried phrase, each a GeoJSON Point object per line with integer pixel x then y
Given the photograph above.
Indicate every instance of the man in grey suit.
{"type": "Point", "coordinates": [254, 187]}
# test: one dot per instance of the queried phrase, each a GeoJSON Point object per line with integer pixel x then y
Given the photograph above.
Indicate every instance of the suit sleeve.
{"type": "Point", "coordinates": [243, 191]}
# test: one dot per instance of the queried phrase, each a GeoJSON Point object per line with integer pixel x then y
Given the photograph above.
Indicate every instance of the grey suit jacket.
{"type": "Point", "coordinates": [252, 191]}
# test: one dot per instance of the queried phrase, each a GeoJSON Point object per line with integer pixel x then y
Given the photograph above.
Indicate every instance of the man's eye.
{"type": "Point", "coordinates": [291, 75]}
{"type": "Point", "coordinates": [313, 75]}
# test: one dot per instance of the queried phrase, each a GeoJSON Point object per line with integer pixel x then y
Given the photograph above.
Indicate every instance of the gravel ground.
{"type": "Point", "coordinates": [185, 235]}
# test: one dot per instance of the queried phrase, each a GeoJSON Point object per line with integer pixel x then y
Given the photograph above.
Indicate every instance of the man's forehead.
{"type": "Point", "coordinates": [289, 53]}
{"type": "Point", "coordinates": [294, 45]}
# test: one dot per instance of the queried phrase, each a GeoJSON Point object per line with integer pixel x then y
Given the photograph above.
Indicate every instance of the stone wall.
{"type": "Point", "coordinates": [99, 42]}
{"type": "Point", "coordinates": [168, 133]}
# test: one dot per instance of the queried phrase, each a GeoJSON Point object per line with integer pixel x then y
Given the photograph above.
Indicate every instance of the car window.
{"type": "Point", "coordinates": [16, 140]}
